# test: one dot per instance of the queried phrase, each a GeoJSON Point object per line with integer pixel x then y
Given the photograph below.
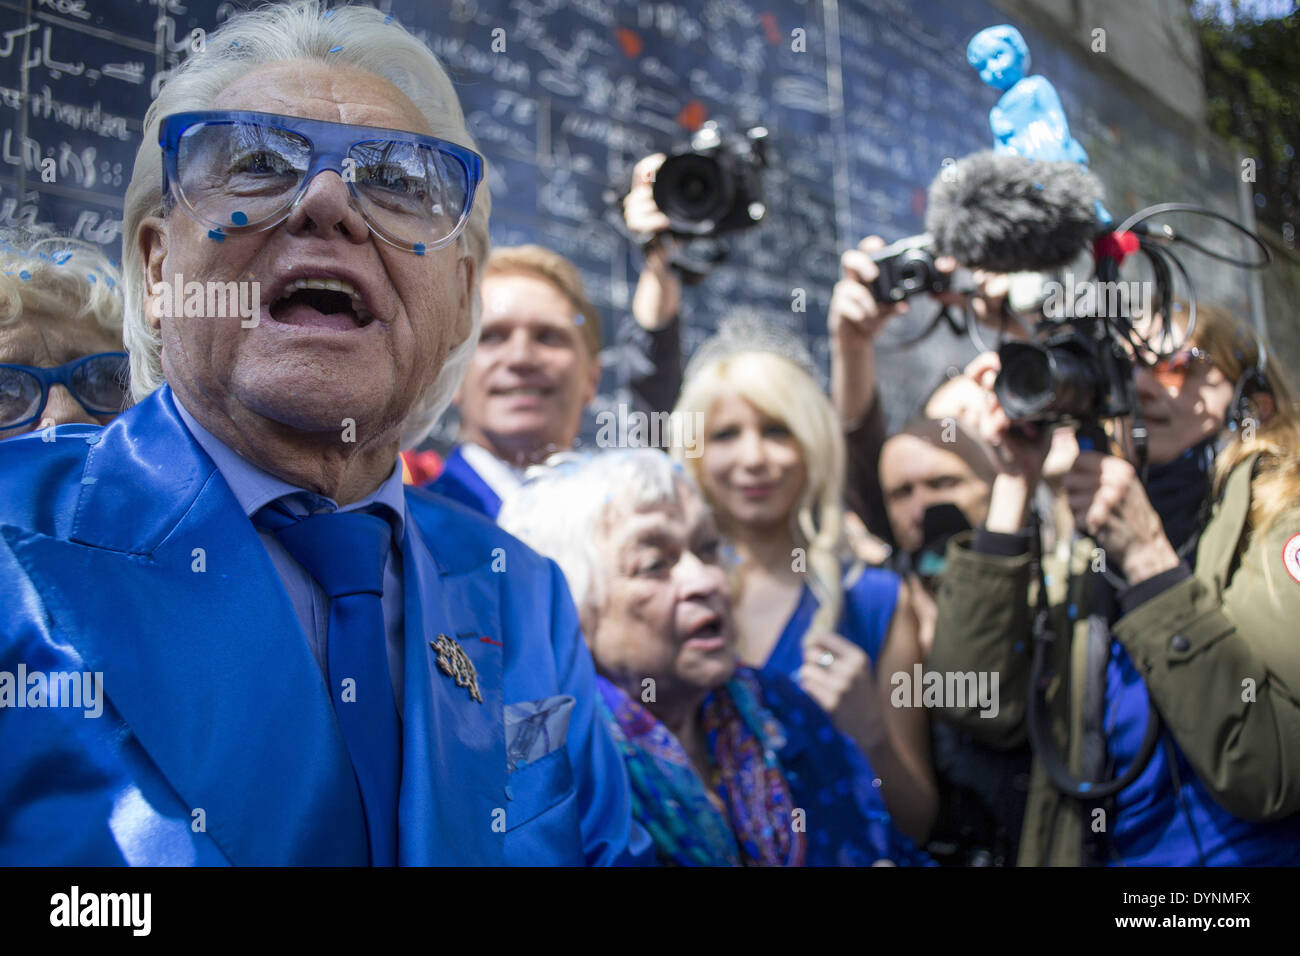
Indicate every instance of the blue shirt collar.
{"type": "Point", "coordinates": [255, 488]}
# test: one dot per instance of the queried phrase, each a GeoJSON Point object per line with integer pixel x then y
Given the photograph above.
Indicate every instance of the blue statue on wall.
{"type": "Point", "coordinates": [1028, 120]}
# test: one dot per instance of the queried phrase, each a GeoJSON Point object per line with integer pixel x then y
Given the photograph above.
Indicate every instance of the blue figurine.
{"type": "Point", "coordinates": [1028, 120]}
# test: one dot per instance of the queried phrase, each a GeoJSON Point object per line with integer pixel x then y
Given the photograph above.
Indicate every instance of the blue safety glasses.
{"type": "Point", "coordinates": [243, 172]}
{"type": "Point", "coordinates": [100, 383]}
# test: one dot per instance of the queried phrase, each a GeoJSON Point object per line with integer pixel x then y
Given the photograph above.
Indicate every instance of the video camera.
{"type": "Point", "coordinates": [1081, 375]}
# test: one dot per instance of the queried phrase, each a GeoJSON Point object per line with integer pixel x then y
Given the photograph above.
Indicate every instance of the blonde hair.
{"type": "Point", "coordinates": [1275, 488]}
{"type": "Point", "coordinates": [44, 273]}
{"type": "Point", "coordinates": [785, 392]}
{"type": "Point", "coordinates": [551, 267]}
{"type": "Point", "coordinates": [355, 36]}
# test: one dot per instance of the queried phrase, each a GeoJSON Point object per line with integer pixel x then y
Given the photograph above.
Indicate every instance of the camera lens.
{"type": "Point", "coordinates": [692, 192]}
{"type": "Point", "coordinates": [914, 272]}
{"type": "Point", "coordinates": [1040, 383]}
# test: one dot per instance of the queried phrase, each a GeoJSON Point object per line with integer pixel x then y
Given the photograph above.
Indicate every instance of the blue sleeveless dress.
{"type": "Point", "coordinates": [868, 610]}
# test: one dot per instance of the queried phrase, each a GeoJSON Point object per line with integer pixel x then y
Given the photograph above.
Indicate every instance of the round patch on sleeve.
{"type": "Point", "coordinates": [1291, 557]}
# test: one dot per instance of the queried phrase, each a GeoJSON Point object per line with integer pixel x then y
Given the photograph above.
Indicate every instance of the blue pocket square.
{"type": "Point", "coordinates": [534, 728]}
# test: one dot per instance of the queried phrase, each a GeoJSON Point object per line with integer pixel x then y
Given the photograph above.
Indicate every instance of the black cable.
{"type": "Point", "coordinates": [1143, 214]}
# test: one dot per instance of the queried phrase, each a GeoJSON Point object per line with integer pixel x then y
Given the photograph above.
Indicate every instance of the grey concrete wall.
{"type": "Point", "coordinates": [1152, 42]}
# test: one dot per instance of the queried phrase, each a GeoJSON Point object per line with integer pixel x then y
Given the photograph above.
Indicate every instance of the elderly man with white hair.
{"type": "Point", "coordinates": [291, 659]}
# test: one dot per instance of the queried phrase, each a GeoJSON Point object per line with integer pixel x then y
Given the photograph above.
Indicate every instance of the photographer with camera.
{"type": "Point", "coordinates": [876, 283]}
{"type": "Point", "coordinates": [1157, 676]}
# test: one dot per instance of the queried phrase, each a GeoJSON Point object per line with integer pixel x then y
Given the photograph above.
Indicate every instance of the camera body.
{"type": "Point", "coordinates": [907, 269]}
{"type": "Point", "coordinates": [1076, 376]}
{"type": "Point", "coordinates": [716, 186]}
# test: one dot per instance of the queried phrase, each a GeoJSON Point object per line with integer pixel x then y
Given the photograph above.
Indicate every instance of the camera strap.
{"type": "Point", "coordinates": [1038, 718]}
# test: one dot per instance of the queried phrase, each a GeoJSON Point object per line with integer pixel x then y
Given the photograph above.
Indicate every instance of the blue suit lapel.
{"type": "Point", "coordinates": [454, 763]}
{"type": "Point", "coordinates": [209, 668]}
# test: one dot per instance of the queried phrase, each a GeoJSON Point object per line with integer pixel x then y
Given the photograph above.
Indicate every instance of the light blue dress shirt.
{"type": "Point", "coordinates": [255, 488]}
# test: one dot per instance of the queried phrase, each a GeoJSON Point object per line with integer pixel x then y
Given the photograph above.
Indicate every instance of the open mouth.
{"type": "Point", "coordinates": [321, 303]}
{"type": "Point", "coordinates": [709, 633]}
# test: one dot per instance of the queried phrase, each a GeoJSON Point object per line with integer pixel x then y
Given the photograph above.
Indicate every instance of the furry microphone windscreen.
{"type": "Point", "coordinates": [1006, 213]}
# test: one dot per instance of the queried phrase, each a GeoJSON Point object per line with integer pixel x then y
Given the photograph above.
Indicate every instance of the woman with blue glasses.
{"type": "Point", "coordinates": [61, 358]}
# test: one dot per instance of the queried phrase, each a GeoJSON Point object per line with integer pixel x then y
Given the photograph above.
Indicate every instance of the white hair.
{"type": "Point", "coordinates": [44, 272]}
{"type": "Point", "coordinates": [562, 508]}
{"type": "Point", "coordinates": [303, 30]}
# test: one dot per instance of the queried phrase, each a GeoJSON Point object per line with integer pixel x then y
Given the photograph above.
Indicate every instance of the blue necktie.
{"type": "Point", "coordinates": [345, 552]}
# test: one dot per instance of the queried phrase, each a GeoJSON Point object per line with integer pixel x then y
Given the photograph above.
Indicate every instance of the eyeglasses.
{"type": "Point", "coordinates": [100, 383]}
{"type": "Point", "coordinates": [244, 172]}
{"type": "Point", "coordinates": [1172, 370]}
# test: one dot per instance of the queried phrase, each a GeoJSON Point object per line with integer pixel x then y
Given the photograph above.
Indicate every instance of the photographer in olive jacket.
{"type": "Point", "coordinates": [1166, 720]}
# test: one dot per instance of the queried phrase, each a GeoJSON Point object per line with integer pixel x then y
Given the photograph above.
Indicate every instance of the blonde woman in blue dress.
{"type": "Point", "coordinates": [771, 463]}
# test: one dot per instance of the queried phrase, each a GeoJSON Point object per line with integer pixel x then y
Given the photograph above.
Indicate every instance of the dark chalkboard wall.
{"type": "Point", "coordinates": [864, 99]}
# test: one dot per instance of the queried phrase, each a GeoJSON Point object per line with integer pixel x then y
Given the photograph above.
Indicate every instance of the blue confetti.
{"type": "Point", "coordinates": [92, 277]}
{"type": "Point", "coordinates": [239, 218]}
{"type": "Point", "coordinates": [234, 43]}
{"type": "Point", "coordinates": [1074, 612]}
{"type": "Point", "coordinates": [216, 234]}
{"type": "Point", "coordinates": [1085, 787]}
{"type": "Point", "coordinates": [61, 257]}
{"type": "Point", "coordinates": [1038, 186]}
{"type": "Point", "coordinates": [335, 49]}
{"type": "Point", "coordinates": [328, 14]}
{"type": "Point", "coordinates": [24, 275]}
{"type": "Point", "coordinates": [388, 19]}
{"type": "Point", "coordinates": [419, 248]}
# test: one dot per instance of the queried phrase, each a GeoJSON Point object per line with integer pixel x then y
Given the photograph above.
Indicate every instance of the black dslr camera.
{"type": "Point", "coordinates": [717, 186]}
{"type": "Point", "coordinates": [907, 269]}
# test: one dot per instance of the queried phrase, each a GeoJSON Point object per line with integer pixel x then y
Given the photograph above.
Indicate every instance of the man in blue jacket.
{"type": "Point", "coordinates": [228, 635]}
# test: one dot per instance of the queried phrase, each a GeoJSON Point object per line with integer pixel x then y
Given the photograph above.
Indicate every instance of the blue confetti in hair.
{"type": "Point", "coordinates": [328, 14]}
{"type": "Point", "coordinates": [24, 275]}
{"type": "Point", "coordinates": [239, 218]}
{"type": "Point", "coordinates": [388, 19]}
{"type": "Point", "coordinates": [335, 49]}
{"type": "Point", "coordinates": [62, 256]}
{"type": "Point", "coordinates": [216, 234]}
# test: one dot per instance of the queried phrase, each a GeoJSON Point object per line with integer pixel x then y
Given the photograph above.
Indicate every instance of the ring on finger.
{"type": "Point", "coordinates": [825, 659]}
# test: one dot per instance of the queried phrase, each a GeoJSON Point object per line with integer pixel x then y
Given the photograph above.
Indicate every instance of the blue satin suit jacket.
{"type": "Point", "coordinates": [218, 742]}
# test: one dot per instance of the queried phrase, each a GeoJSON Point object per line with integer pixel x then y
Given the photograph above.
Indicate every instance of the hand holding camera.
{"type": "Point", "coordinates": [1019, 450]}
{"type": "Point", "coordinates": [658, 295]}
